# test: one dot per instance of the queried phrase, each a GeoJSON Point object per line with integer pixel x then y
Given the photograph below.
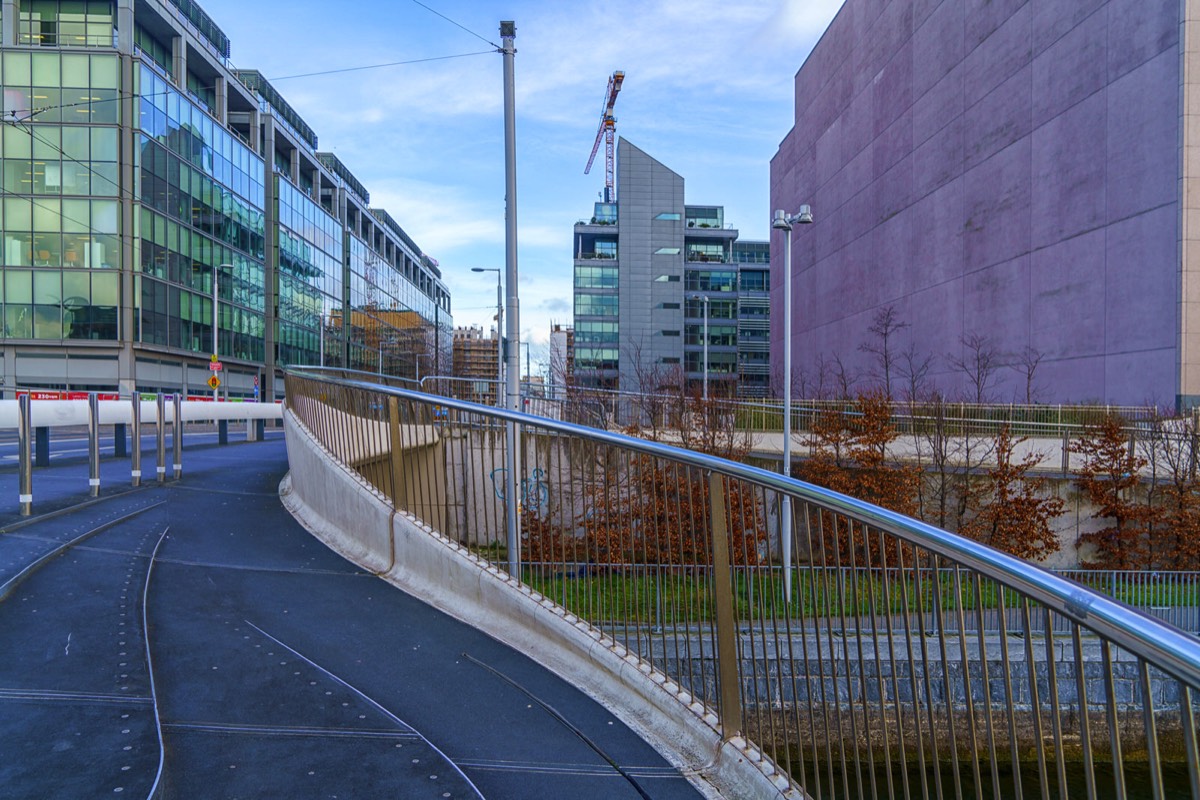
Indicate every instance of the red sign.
{"type": "Point", "coordinates": [215, 366]}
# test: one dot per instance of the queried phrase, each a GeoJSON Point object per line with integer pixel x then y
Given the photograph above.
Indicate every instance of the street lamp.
{"type": "Point", "coordinates": [704, 298]}
{"type": "Point", "coordinates": [783, 222]}
{"type": "Point", "coordinates": [499, 328]}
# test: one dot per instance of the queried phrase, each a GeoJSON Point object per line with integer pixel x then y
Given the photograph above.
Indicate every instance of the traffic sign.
{"type": "Point", "coordinates": [215, 366]}
{"type": "Point", "coordinates": [213, 357]}
{"type": "Point", "coordinates": [214, 382]}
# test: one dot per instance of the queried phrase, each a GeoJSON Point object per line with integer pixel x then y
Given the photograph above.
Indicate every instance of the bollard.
{"type": "Point", "coordinates": [254, 430]}
{"type": "Point", "coordinates": [223, 431]}
{"type": "Point", "coordinates": [135, 422]}
{"type": "Point", "coordinates": [119, 446]}
{"type": "Point", "coordinates": [24, 455]}
{"type": "Point", "coordinates": [93, 444]}
{"type": "Point", "coordinates": [177, 436]}
{"type": "Point", "coordinates": [161, 431]}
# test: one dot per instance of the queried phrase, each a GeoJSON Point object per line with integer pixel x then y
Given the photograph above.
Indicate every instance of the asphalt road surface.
{"type": "Point", "coordinates": [190, 640]}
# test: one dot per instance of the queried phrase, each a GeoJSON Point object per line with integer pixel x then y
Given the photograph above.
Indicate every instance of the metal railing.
{"type": "Point", "coordinates": [890, 658]}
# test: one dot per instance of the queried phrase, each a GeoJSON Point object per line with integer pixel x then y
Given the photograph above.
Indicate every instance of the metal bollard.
{"type": "Point", "coordinates": [93, 444]}
{"type": "Point", "coordinates": [222, 431]}
{"type": "Point", "coordinates": [25, 455]}
{"type": "Point", "coordinates": [135, 422]}
{"type": "Point", "coordinates": [161, 431]}
{"type": "Point", "coordinates": [177, 436]}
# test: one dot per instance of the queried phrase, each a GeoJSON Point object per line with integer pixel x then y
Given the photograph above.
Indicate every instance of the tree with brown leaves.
{"type": "Point", "coordinates": [1014, 511]}
{"type": "Point", "coordinates": [1109, 477]}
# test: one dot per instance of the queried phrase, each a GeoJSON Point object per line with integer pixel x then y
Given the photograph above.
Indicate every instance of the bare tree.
{"type": "Point", "coordinates": [914, 370]}
{"type": "Point", "coordinates": [1026, 365]}
{"type": "Point", "coordinates": [843, 378]}
{"type": "Point", "coordinates": [883, 329]}
{"type": "Point", "coordinates": [978, 362]}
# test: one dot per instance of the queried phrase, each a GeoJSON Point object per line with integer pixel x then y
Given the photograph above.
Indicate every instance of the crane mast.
{"type": "Point", "coordinates": [608, 126]}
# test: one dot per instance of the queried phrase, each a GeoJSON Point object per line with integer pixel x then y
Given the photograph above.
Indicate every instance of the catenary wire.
{"type": "Point", "coordinates": [455, 24]}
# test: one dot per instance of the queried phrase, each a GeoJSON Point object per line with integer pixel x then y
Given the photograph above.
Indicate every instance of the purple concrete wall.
{"type": "Point", "coordinates": [996, 168]}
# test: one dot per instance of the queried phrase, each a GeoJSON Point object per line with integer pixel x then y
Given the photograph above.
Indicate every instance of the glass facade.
{"type": "Point", "coordinates": [129, 200]}
{"type": "Point", "coordinates": [61, 217]}
{"type": "Point", "coordinates": [310, 280]}
{"type": "Point", "coordinates": [202, 215]}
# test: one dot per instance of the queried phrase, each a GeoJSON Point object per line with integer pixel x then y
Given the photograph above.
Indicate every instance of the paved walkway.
{"type": "Point", "coordinates": [200, 615]}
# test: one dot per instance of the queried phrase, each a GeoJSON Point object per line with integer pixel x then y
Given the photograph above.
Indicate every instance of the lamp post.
{"type": "Point", "coordinates": [783, 222]}
{"type": "Point", "coordinates": [499, 329]}
{"type": "Point", "coordinates": [704, 298]}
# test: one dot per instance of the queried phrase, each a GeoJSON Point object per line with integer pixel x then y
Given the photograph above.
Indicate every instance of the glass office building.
{"type": "Point", "coordinates": [154, 199]}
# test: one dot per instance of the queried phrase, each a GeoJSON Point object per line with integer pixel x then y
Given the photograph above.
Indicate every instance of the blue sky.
{"type": "Point", "coordinates": [708, 91]}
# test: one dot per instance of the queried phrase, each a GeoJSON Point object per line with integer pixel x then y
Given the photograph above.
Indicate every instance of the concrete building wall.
{"type": "Point", "coordinates": [1009, 170]}
{"type": "Point", "coordinates": [646, 188]}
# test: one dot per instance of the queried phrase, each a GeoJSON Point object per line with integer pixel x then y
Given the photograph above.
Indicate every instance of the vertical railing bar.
{"type": "Point", "coordinates": [940, 621]}
{"type": "Point", "coordinates": [396, 459]}
{"type": "Point", "coordinates": [761, 596]}
{"type": "Point", "coordinates": [908, 614]}
{"type": "Point", "coordinates": [839, 598]}
{"type": "Point", "coordinates": [1085, 730]}
{"type": "Point", "coordinates": [966, 669]}
{"type": "Point", "coordinates": [891, 645]}
{"type": "Point", "coordinates": [790, 634]}
{"type": "Point", "coordinates": [727, 651]}
{"type": "Point", "coordinates": [1114, 721]}
{"type": "Point", "coordinates": [816, 625]}
{"type": "Point", "coordinates": [827, 612]}
{"type": "Point", "coordinates": [705, 608]}
{"type": "Point", "coordinates": [645, 505]}
{"type": "Point", "coordinates": [1035, 701]}
{"type": "Point", "coordinates": [1010, 700]}
{"type": "Point", "coordinates": [862, 672]}
{"type": "Point", "coordinates": [930, 711]}
{"type": "Point", "coordinates": [880, 684]}
{"type": "Point", "coordinates": [1055, 704]}
{"type": "Point", "coordinates": [1154, 761]}
{"type": "Point", "coordinates": [987, 685]}
{"type": "Point", "coordinates": [1190, 754]}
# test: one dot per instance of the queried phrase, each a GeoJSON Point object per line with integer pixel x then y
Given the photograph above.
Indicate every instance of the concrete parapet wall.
{"type": "Point", "coordinates": [356, 520]}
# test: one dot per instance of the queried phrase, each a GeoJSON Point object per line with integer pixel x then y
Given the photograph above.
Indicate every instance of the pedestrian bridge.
{"type": "Point", "coordinates": [767, 636]}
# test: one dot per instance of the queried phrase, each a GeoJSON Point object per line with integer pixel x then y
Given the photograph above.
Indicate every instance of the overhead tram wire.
{"type": "Point", "coordinates": [457, 25]}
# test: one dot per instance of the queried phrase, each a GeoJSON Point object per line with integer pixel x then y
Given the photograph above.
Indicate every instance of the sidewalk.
{"type": "Point", "coordinates": [278, 668]}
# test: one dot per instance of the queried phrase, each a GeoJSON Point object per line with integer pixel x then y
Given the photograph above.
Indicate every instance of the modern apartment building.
{"type": "Point", "coordinates": [143, 175]}
{"type": "Point", "coordinates": [652, 274]}
{"type": "Point", "coordinates": [1016, 175]}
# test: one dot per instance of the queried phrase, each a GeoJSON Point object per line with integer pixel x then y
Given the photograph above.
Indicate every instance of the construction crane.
{"type": "Point", "coordinates": [608, 125]}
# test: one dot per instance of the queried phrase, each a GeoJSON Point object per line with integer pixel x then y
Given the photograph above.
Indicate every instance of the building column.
{"type": "Point", "coordinates": [221, 109]}
{"type": "Point", "coordinates": [124, 26]}
{"type": "Point", "coordinates": [179, 61]}
{"type": "Point", "coordinates": [256, 135]}
{"type": "Point", "coordinates": [271, 248]}
{"type": "Point", "coordinates": [130, 247]}
{"type": "Point", "coordinates": [294, 168]}
{"type": "Point", "coordinates": [1188, 319]}
{"type": "Point", "coordinates": [8, 32]}
{"type": "Point", "coordinates": [316, 182]}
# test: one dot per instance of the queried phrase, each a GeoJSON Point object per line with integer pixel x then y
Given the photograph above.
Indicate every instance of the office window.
{"type": "Point", "coordinates": [673, 216]}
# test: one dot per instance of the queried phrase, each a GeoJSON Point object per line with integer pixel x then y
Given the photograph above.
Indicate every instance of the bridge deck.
{"type": "Point", "coordinates": [271, 666]}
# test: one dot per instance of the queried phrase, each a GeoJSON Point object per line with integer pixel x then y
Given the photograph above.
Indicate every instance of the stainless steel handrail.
{"type": "Point", "coordinates": [1155, 645]}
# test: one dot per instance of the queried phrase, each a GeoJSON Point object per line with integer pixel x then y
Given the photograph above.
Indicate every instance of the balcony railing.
{"type": "Point", "coordinates": [860, 652]}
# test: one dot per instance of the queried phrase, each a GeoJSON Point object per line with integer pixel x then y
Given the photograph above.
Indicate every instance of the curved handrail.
{"type": "Point", "coordinates": [1167, 648]}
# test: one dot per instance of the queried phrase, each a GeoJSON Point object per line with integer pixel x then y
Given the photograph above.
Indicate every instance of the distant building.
{"type": "Point", "coordinates": [141, 171]}
{"type": "Point", "coordinates": [647, 268]}
{"type": "Point", "coordinates": [476, 364]}
{"type": "Point", "coordinates": [562, 359]}
{"type": "Point", "coordinates": [1015, 174]}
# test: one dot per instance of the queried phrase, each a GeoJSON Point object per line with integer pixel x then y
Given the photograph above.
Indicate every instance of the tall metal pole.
{"type": "Point", "coordinates": [787, 412]}
{"type": "Point", "coordinates": [508, 32]}
{"type": "Point", "coordinates": [25, 454]}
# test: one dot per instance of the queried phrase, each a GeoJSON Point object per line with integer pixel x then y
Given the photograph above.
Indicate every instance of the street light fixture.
{"type": "Point", "coordinates": [704, 298]}
{"type": "Point", "coordinates": [783, 222]}
{"type": "Point", "coordinates": [499, 329]}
